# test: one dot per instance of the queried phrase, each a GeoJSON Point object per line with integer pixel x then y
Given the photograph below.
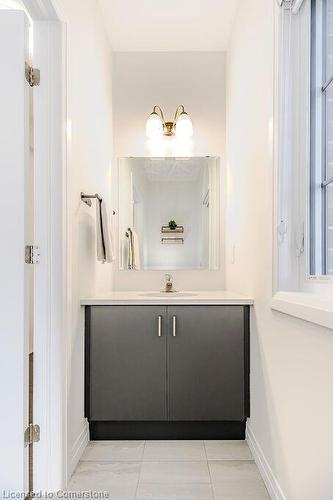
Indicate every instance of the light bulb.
{"type": "Point", "coordinates": [154, 126]}
{"type": "Point", "coordinates": [184, 127]}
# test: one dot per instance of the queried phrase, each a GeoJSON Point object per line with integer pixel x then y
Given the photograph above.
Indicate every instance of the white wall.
{"type": "Point", "coordinates": [143, 79]}
{"type": "Point", "coordinates": [291, 360]}
{"type": "Point", "coordinates": [89, 111]}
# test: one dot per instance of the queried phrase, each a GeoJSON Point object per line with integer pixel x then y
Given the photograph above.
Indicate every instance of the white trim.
{"type": "Point", "coordinates": [296, 6]}
{"type": "Point", "coordinates": [316, 239]}
{"type": "Point", "coordinates": [277, 131]}
{"type": "Point", "coordinates": [40, 10]}
{"type": "Point", "coordinates": [310, 307]}
{"type": "Point", "coordinates": [319, 278]}
{"type": "Point", "coordinates": [79, 447]}
{"type": "Point", "coordinates": [15, 231]}
{"type": "Point", "coordinates": [272, 484]}
{"type": "Point", "coordinates": [50, 389]}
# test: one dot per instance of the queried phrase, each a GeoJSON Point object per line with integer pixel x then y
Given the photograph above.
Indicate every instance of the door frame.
{"type": "Point", "coordinates": [50, 219]}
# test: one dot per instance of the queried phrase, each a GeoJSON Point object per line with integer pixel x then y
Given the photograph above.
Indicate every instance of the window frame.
{"type": "Point", "coordinates": [292, 156]}
{"type": "Point", "coordinates": [295, 291]}
{"type": "Point", "coordinates": [319, 180]}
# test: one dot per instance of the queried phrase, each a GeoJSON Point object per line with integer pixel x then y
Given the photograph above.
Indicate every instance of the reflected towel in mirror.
{"type": "Point", "coordinates": [133, 254]}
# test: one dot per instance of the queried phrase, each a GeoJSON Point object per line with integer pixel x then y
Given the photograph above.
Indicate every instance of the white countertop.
{"type": "Point", "coordinates": [212, 297]}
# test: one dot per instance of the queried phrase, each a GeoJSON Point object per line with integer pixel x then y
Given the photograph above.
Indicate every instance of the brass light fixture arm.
{"type": "Point", "coordinates": [180, 109]}
{"type": "Point", "coordinates": [159, 112]}
{"type": "Point", "coordinates": [169, 127]}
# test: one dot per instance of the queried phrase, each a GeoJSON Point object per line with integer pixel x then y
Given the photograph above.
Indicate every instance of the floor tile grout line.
{"type": "Point", "coordinates": [138, 482]}
{"type": "Point", "coordinates": [210, 476]}
{"type": "Point", "coordinates": [202, 461]}
{"type": "Point", "coordinates": [165, 461]}
{"type": "Point", "coordinates": [180, 462]}
{"type": "Point", "coordinates": [111, 460]}
{"type": "Point", "coordinates": [205, 450]}
{"type": "Point", "coordinates": [142, 462]}
{"type": "Point", "coordinates": [139, 475]}
{"type": "Point", "coordinates": [168, 483]}
{"type": "Point", "coordinates": [144, 449]}
{"type": "Point", "coordinates": [154, 460]}
{"type": "Point", "coordinates": [230, 460]}
{"type": "Point", "coordinates": [200, 443]}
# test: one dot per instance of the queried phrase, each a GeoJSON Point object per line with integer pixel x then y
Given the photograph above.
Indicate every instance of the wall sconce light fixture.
{"type": "Point", "coordinates": [157, 126]}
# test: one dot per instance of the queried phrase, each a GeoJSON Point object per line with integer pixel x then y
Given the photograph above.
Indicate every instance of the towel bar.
{"type": "Point", "coordinates": [86, 198]}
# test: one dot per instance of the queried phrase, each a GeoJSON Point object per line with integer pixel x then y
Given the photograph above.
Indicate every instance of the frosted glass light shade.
{"type": "Point", "coordinates": [11, 4]}
{"type": "Point", "coordinates": [184, 127]}
{"type": "Point", "coordinates": [154, 126]}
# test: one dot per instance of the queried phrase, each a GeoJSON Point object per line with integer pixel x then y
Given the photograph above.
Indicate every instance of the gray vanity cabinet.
{"type": "Point", "coordinates": [167, 372]}
{"type": "Point", "coordinates": [206, 369]}
{"type": "Point", "coordinates": [127, 375]}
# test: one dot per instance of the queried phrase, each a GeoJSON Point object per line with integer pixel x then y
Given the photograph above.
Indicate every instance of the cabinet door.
{"type": "Point", "coordinates": [127, 363]}
{"type": "Point", "coordinates": [206, 362]}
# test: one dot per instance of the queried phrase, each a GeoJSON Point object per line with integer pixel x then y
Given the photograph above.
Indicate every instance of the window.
{"type": "Point", "coordinates": [321, 157]}
{"type": "Point", "coordinates": [303, 180]}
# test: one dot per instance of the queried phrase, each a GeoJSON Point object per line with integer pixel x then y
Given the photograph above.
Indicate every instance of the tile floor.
{"type": "Point", "coordinates": [170, 470]}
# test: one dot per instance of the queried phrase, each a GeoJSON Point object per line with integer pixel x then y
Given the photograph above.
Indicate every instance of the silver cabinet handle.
{"type": "Point", "coordinates": [159, 326]}
{"type": "Point", "coordinates": [174, 326]}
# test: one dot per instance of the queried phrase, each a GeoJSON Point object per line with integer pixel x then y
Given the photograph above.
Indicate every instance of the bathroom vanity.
{"type": "Point", "coordinates": [161, 366]}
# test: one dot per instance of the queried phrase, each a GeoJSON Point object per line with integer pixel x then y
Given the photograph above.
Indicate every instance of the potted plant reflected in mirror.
{"type": "Point", "coordinates": [172, 225]}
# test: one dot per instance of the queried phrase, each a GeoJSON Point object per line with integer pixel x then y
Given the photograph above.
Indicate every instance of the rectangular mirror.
{"type": "Point", "coordinates": [169, 213]}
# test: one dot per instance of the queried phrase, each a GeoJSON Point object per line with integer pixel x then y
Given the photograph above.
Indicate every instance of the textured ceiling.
{"type": "Point", "coordinates": [172, 170]}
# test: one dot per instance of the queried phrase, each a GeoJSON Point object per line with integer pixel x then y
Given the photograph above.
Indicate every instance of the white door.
{"type": "Point", "coordinates": [14, 161]}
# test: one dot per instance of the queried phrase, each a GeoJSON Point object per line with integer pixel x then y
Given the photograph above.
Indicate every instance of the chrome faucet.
{"type": "Point", "coordinates": [168, 283]}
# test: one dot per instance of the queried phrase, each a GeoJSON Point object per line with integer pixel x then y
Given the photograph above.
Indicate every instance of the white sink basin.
{"type": "Point", "coordinates": [169, 294]}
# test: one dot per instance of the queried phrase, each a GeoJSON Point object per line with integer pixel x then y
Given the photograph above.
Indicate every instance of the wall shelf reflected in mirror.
{"type": "Point", "coordinates": [172, 240]}
{"type": "Point", "coordinates": [167, 229]}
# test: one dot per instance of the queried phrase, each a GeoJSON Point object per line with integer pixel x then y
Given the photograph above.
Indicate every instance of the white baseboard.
{"type": "Point", "coordinates": [272, 485]}
{"type": "Point", "coordinates": [78, 447]}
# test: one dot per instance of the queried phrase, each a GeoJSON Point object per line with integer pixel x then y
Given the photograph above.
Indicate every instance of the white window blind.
{"type": "Point", "coordinates": [293, 137]}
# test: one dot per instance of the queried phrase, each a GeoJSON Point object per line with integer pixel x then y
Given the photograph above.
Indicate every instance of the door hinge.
{"type": "Point", "coordinates": [32, 75]}
{"type": "Point", "coordinates": [32, 434]}
{"type": "Point", "coordinates": [32, 254]}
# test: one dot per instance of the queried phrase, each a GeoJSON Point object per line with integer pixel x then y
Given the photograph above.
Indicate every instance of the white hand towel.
{"type": "Point", "coordinates": [129, 249]}
{"type": "Point", "coordinates": [136, 251]}
{"type": "Point", "coordinates": [104, 242]}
